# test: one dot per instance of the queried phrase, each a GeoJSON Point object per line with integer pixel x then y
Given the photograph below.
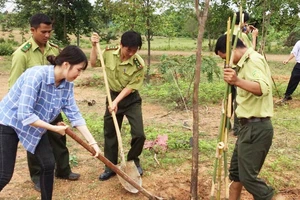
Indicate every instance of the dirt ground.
{"type": "Point", "coordinates": [171, 184]}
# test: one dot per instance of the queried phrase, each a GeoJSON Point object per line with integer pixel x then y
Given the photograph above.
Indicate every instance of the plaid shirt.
{"type": "Point", "coordinates": [34, 96]}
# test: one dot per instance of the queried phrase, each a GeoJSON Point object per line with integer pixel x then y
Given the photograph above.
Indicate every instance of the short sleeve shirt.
{"type": "Point", "coordinates": [296, 51]}
{"type": "Point", "coordinates": [253, 67]}
{"type": "Point", "coordinates": [29, 55]}
{"type": "Point", "coordinates": [126, 74]}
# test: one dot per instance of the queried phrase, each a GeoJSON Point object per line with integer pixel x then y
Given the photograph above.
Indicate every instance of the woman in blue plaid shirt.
{"type": "Point", "coordinates": [35, 100]}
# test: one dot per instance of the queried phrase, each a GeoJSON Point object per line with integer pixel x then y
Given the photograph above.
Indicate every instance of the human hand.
{"type": "Point", "coordinates": [253, 30]}
{"type": "Point", "coordinates": [96, 148]}
{"type": "Point", "coordinates": [95, 38]}
{"type": "Point", "coordinates": [285, 61]}
{"type": "Point", "coordinates": [61, 128]}
{"type": "Point", "coordinates": [230, 76]}
{"type": "Point", "coordinates": [113, 107]}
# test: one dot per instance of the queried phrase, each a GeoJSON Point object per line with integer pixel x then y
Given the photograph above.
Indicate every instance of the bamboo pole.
{"type": "Point", "coordinates": [220, 165]}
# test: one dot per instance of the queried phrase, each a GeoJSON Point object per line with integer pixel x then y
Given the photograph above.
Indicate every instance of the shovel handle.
{"type": "Point", "coordinates": [118, 132]}
{"type": "Point", "coordinates": [70, 133]}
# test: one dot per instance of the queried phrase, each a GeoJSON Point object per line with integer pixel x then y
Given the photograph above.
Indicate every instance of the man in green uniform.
{"type": "Point", "coordinates": [242, 30]}
{"type": "Point", "coordinates": [246, 29]}
{"type": "Point", "coordinates": [254, 110]}
{"type": "Point", "coordinates": [34, 52]}
{"type": "Point", "coordinates": [125, 74]}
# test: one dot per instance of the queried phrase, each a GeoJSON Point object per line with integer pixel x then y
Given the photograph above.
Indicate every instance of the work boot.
{"type": "Point", "coordinates": [37, 186]}
{"type": "Point", "coordinates": [235, 190]}
{"type": "Point", "coordinates": [107, 174]}
{"type": "Point", "coordinates": [140, 170]}
{"type": "Point", "coordinates": [71, 177]}
{"type": "Point", "coordinates": [286, 98]}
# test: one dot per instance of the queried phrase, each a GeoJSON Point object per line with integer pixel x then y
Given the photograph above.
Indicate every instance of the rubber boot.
{"type": "Point", "coordinates": [235, 190]}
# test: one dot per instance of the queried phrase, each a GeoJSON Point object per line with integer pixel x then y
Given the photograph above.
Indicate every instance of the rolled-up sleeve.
{"type": "Point", "coordinates": [258, 74]}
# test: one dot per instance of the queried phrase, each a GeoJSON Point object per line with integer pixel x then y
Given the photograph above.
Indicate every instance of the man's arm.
{"type": "Point", "coordinates": [250, 86]}
{"type": "Point", "coordinates": [93, 55]}
{"type": "Point", "coordinates": [289, 58]}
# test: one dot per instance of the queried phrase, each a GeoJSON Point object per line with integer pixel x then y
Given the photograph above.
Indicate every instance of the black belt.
{"type": "Point", "coordinates": [244, 121]}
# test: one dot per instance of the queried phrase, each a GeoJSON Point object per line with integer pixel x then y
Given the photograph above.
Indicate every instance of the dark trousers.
{"type": "Point", "coordinates": [130, 107]}
{"type": "Point", "coordinates": [61, 155]}
{"type": "Point", "coordinates": [251, 148]}
{"type": "Point", "coordinates": [294, 80]}
{"type": "Point", "coordinates": [43, 154]}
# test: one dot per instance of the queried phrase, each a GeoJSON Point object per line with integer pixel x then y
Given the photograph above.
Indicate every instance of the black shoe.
{"type": "Point", "coordinates": [37, 186]}
{"type": "Point", "coordinates": [139, 168]}
{"type": "Point", "coordinates": [71, 177]}
{"type": "Point", "coordinates": [106, 175]}
{"type": "Point", "coordinates": [286, 98]}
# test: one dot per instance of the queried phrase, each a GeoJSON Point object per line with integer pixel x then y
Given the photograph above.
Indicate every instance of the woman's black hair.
{"type": "Point", "coordinates": [71, 54]}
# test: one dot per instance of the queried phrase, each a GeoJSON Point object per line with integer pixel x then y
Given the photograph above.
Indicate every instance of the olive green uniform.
{"type": "Point", "coordinates": [129, 74]}
{"type": "Point", "coordinates": [26, 56]}
{"type": "Point", "coordinates": [244, 37]}
{"type": "Point", "coordinates": [256, 131]}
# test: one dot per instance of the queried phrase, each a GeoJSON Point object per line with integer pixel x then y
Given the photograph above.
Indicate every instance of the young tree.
{"type": "Point", "coordinates": [202, 17]}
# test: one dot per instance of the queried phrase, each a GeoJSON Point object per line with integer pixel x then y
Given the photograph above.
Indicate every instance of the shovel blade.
{"type": "Point", "coordinates": [131, 170]}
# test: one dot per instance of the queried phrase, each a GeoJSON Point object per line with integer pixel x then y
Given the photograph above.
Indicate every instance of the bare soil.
{"type": "Point", "coordinates": [172, 183]}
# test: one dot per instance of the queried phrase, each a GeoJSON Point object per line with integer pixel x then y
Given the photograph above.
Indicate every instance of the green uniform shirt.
{"type": "Point", "coordinates": [129, 73]}
{"type": "Point", "coordinates": [244, 37]}
{"type": "Point", "coordinates": [253, 67]}
{"type": "Point", "coordinates": [29, 55]}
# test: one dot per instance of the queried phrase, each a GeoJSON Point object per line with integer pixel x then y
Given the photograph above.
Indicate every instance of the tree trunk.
{"type": "Point", "coordinates": [148, 43]}
{"type": "Point", "coordinates": [202, 17]}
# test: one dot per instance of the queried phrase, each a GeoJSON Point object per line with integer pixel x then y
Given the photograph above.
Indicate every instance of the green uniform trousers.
{"type": "Point", "coordinates": [251, 148]}
{"type": "Point", "coordinates": [130, 107]}
{"type": "Point", "coordinates": [60, 151]}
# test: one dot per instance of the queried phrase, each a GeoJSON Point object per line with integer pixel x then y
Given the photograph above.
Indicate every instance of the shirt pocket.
{"type": "Point", "coordinates": [126, 75]}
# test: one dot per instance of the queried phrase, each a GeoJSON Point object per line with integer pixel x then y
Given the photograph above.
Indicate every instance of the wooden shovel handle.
{"type": "Point", "coordinates": [70, 133]}
{"type": "Point", "coordinates": [118, 132]}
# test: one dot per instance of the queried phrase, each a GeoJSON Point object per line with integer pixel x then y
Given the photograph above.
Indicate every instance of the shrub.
{"type": "Point", "coordinates": [6, 49]}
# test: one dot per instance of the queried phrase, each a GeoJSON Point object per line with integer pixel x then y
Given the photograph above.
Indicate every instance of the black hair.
{"type": "Point", "coordinates": [72, 54]}
{"type": "Point", "coordinates": [221, 44]}
{"type": "Point", "coordinates": [238, 17]}
{"type": "Point", "coordinates": [38, 19]}
{"type": "Point", "coordinates": [131, 39]}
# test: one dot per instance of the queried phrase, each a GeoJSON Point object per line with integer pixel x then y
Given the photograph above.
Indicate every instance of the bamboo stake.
{"type": "Point", "coordinates": [222, 146]}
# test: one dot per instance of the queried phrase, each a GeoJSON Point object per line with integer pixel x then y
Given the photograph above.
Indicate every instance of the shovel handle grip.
{"type": "Point", "coordinates": [109, 99]}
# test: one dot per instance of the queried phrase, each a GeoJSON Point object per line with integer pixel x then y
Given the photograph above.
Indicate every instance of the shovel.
{"type": "Point", "coordinates": [128, 167]}
{"type": "Point", "coordinates": [111, 165]}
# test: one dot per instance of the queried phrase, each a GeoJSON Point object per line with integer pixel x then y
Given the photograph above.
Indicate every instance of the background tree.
{"type": "Point", "coordinates": [217, 17]}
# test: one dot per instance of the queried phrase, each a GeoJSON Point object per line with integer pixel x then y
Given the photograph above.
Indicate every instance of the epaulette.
{"type": "Point", "coordinates": [111, 47]}
{"type": "Point", "coordinates": [26, 47]}
{"type": "Point", "coordinates": [137, 63]}
{"type": "Point", "coordinates": [53, 45]}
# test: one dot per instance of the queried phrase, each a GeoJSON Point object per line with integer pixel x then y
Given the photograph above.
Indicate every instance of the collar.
{"type": "Point", "coordinates": [35, 46]}
{"type": "Point", "coordinates": [245, 57]}
{"type": "Point", "coordinates": [118, 52]}
{"type": "Point", "coordinates": [51, 77]}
